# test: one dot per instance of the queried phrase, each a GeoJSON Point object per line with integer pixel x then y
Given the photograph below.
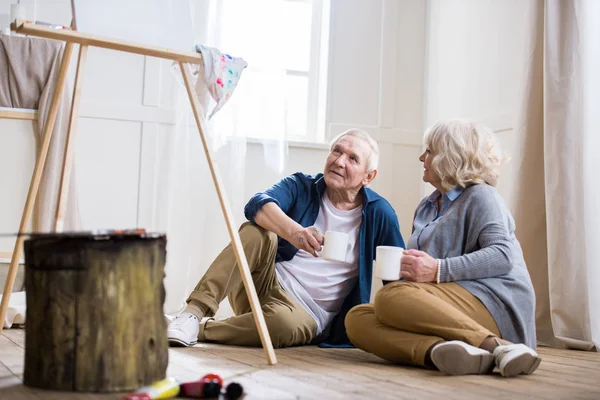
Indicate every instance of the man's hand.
{"type": "Point", "coordinates": [418, 266]}
{"type": "Point", "coordinates": [308, 239]}
{"type": "Point", "coordinates": [273, 219]}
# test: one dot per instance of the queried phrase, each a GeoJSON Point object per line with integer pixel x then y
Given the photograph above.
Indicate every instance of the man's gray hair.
{"type": "Point", "coordinates": [373, 160]}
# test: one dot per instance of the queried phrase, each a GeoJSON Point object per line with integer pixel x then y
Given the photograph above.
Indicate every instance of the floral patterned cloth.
{"type": "Point", "coordinates": [221, 74]}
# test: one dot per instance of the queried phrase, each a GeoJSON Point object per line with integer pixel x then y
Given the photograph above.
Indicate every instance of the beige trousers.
{"type": "Point", "coordinates": [287, 321]}
{"type": "Point", "coordinates": [408, 318]}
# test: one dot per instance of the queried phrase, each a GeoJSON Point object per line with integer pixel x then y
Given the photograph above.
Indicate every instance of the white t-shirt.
{"type": "Point", "coordinates": [318, 285]}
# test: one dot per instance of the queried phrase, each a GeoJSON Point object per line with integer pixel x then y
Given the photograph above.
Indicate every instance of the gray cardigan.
{"type": "Point", "coordinates": [475, 239]}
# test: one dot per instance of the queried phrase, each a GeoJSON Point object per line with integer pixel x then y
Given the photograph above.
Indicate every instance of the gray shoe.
{"type": "Point", "coordinates": [183, 330]}
{"type": "Point", "coordinates": [459, 358]}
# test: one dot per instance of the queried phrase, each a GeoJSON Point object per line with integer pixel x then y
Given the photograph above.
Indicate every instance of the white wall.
{"type": "Point", "coordinates": [476, 63]}
{"type": "Point", "coordinates": [377, 59]}
{"type": "Point", "coordinates": [17, 158]}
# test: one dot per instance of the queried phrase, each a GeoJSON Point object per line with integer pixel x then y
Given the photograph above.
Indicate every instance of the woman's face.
{"type": "Point", "coordinates": [429, 175]}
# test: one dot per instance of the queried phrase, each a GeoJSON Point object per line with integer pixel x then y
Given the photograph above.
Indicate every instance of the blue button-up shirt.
{"type": "Point", "coordinates": [428, 216]}
{"type": "Point", "coordinates": [299, 196]}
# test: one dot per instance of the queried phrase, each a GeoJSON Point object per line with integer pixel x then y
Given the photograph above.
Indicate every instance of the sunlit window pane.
{"type": "Point", "coordinates": [275, 39]}
{"type": "Point", "coordinates": [252, 30]}
{"type": "Point", "coordinates": [298, 19]}
{"type": "Point", "coordinates": [296, 105]}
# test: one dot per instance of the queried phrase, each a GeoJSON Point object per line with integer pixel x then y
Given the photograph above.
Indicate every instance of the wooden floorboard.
{"type": "Point", "coordinates": [314, 373]}
{"type": "Point", "coordinates": [17, 336]}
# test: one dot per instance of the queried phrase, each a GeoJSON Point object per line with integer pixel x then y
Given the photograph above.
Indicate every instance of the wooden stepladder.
{"type": "Point", "coordinates": [183, 58]}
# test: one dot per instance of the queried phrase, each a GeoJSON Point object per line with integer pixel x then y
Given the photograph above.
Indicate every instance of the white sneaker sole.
{"type": "Point", "coordinates": [525, 363]}
{"type": "Point", "coordinates": [455, 359]}
{"type": "Point", "coordinates": [174, 342]}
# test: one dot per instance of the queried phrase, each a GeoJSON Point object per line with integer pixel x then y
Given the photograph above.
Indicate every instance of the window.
{"type": "Point", "coordinates": [282, 92]}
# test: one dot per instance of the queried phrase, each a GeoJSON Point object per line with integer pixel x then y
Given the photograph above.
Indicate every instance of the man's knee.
{"type": "Point", "coordinates": [251, 233]}
{"type": "Point", "coordinates": [285, 330]}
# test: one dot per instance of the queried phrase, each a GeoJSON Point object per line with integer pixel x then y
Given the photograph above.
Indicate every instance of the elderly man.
{"type": "Point", "coordinates": [304, 298]}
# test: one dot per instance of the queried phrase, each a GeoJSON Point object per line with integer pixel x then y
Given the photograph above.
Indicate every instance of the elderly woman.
{"type": "Point", "coordinates": [466, 303]}
{"type": "Point", "coordinates": [304, 298]}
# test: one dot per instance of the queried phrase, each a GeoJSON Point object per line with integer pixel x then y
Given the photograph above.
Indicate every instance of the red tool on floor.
{"type": "Point", "coordinates": [208, 387]}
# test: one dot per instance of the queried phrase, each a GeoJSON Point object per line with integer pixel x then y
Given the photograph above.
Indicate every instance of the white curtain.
{"type": "Point", "coordinates": [186, 206]}
{"type": "Point", "coordinates": [571, 117]}
{"type": "Point", "coordinates": [558, 207]}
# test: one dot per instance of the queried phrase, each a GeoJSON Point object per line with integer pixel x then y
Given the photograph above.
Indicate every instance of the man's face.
{"type": "Point", "coordinates": [346, 165]}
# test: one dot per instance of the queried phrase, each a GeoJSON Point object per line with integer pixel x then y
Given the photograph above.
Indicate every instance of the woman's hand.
{"type": "Point", "coordinates": [418, 266]}
{"type": "Point", "coordinates": [308, 239]}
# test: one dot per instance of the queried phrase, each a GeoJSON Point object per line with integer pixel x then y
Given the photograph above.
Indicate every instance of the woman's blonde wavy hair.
{"type": "Point", "coordinates": [464, 153]}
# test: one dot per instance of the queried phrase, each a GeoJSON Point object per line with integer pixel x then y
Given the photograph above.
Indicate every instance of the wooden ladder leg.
{"type": "Point", "coordinates": [236, 242]}
{"type": "Point", "coordinates": [65, 180]}
{"type": "Point", "coordinates": [35, 180]}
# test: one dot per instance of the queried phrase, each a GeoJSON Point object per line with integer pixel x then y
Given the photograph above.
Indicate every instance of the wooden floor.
{"type": "Point", "coordinates": [314, 373]}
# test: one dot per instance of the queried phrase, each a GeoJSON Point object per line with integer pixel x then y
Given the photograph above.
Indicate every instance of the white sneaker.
{"type": "Point", "coordinates": [183, 330]}
{"type": "Point", "coordinates": [516, 359]}
{"type": "Point", "coordinates": [459, 358]}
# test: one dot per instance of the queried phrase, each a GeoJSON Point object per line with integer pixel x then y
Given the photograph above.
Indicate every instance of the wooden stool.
{"type": "Point", "coordinates": [94, 320]}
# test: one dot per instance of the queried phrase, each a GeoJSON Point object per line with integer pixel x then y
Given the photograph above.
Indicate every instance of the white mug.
{"type": "Point", "coordinates": [388, 261]}
{"type": "Point", "coordinates": [335, 246]}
